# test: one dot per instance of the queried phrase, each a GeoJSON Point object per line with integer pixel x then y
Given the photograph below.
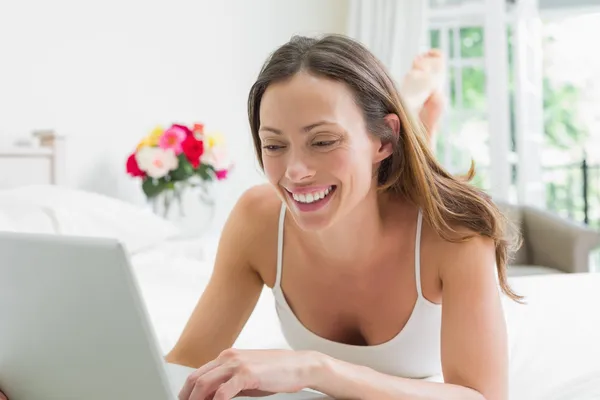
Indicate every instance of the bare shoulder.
{"type": "Point", "coordinates": [452, 258]}
{"type": "Point", "coordinates": [259, 202]}
{"type": "Point", "coordinates": [255, 218]}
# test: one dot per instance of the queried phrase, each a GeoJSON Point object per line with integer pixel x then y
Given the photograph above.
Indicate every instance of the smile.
{"type": "Point", "coordinates": [311, 200]}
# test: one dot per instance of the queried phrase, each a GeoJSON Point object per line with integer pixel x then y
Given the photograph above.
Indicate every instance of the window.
{"type": "Point", "coordinates": [571, 107]}
{"type": "Point", "coordinates": [465, 130]}
{"type": "Point", "coordinates": [571, 147]}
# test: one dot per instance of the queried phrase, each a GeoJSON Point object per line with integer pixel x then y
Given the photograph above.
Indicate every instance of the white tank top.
{"type": "Point", "coordinates": [413, 353]}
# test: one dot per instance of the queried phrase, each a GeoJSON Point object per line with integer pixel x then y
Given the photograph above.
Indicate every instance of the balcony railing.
{"type": "Point", "coordinates": [573, 191]}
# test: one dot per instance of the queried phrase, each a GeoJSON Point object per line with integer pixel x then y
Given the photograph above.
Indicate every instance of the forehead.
{"type": "Point", "coordinates": [305, 99]}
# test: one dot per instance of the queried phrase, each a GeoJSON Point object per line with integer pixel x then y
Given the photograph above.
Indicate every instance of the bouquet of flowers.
{"type": "Point", "coordinates": [168, 161]}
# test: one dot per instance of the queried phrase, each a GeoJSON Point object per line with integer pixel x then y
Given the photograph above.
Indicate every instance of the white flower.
{"type": "Point", "coordinates": [217, 156]}
{"type": "Point", "coordinates": [156, 162]}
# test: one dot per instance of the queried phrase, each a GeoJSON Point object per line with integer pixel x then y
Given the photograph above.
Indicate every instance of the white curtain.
{"type": "Point", "coordinates": [394, 30]}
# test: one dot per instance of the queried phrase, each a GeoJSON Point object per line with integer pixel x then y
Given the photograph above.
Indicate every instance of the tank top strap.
{"type": "Point", "coordinates": [418, 254]}
{"type": "Point", "coordinates": [280, 246]}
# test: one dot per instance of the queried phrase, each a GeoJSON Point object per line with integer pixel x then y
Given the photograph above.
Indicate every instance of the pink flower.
{"type": "Point", "coordinates": [187, 130]}
{"type": "Point", "coordinates": [173, 138]}
{"type": "Point", "coordinates": [221, 174]}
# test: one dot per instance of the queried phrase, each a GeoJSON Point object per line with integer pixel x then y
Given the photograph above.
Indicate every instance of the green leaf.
{"type": "Point", "coordinates": [184, 170]}
{"type": "Point", "coordinates": [153, 187]}
{"type": "Point", "coordinates": [206, 172]}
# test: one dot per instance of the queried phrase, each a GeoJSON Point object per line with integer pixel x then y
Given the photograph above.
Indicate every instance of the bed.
{"type": "Point", "coordinates": [554, 339]}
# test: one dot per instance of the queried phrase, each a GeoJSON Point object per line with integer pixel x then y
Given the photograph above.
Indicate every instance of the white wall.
{"type": "Point", "coordinates": [103, 73]}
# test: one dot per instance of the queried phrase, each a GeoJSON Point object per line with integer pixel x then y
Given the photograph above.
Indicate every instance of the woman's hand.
{"type": "Point", "coordinates": [251, 372]}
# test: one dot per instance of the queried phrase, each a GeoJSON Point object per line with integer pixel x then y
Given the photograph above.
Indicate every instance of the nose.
{"type": "Point", "coordinates": [298, 168]}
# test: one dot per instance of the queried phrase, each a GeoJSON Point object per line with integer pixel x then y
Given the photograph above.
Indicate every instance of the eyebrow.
{"type": "Point", "coordinates": [307, 128]}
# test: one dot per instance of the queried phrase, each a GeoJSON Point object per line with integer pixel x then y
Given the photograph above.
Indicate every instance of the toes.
{"type": "Point", "coordinates": [422, 61]}
{"type": "Point", "coordinates": [418, 62]}
{"type": "Point", "coordinates": [435, 53]}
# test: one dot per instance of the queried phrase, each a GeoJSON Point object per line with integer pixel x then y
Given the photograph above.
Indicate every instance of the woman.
{"type": "Point", "coordinates": [362, 237]}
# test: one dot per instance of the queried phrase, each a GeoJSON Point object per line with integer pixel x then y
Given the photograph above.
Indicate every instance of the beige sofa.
{"type": "Point", "coordinates": [551, 244]}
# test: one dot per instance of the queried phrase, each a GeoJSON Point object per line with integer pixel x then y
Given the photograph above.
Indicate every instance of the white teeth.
{"type": "Point", "coordinates": [312, 197]}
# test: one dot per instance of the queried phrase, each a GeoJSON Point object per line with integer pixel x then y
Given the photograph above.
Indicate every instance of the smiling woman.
{"type": "Point", "coordinates": [291, 156]}
{"type": "Point", "coordinates": [384, 267]}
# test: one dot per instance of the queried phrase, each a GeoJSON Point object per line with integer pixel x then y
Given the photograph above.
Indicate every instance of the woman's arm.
{"type": "Point", "coordinates": [341, 380]}
{"type": "Point", "coordinates": [474, 343]}
{"type": "Point", "coordinates": [231, 294]}
{"type": "Point", "coordinates": [474, 349]}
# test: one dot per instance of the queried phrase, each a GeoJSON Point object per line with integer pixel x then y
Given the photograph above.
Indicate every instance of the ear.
{"type": "Point", "coordinates": [385, 148]}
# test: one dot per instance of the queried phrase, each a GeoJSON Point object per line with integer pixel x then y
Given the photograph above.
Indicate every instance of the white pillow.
{"type": "Point", "coordinates": [20, 217]}
{"type": "Point", "coordinates": [80, 213]}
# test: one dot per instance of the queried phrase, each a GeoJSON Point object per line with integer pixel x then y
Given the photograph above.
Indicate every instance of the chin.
{"type": "Point", "coordinates": [312, 223]}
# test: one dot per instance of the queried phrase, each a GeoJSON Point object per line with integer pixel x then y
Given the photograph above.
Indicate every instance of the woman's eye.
{"type": "Point", "coordinates": [272, 147]}
{"type": "Point", "coordinates": [324, 143]}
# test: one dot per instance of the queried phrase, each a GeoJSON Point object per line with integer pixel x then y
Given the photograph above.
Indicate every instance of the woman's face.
{"type": "Point", "coordinates": [316, 150]}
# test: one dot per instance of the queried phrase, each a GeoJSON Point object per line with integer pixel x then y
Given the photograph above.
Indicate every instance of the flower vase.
{"type": "Point", "coordinates": [189, 206]}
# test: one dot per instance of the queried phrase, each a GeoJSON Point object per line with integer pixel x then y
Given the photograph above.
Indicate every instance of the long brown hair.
{"type": "Point", "coordinates": [412, 169]}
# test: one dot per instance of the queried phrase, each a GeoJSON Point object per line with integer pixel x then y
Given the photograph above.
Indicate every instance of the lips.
{"type": "Point", "coordinates": [311, 198]}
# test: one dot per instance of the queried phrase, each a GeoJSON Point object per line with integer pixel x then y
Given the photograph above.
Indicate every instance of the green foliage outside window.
{"type": "Point", "coordinates": [563, 129]}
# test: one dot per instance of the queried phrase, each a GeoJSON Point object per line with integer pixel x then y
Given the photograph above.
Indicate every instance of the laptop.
{"type": "Point", "coordinates": [73, 324]}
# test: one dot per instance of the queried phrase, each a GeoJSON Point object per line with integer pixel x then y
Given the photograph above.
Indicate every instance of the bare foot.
{"type": "Point", "coordinates": [421, 89]}
{"type": "Point", "coordinates": [430, 61]}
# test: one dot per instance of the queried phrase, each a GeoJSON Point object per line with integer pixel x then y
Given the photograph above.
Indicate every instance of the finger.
{"type": "Point", "coordinates": [230, 389]}
{"type": "Point", "coordinates": [3, 396]}
{"type": "Point", "coordinates": [188, 387]}
{"type": "Point", "coordinates": [208, 383]}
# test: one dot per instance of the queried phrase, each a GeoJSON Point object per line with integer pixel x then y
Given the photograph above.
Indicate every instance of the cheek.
{"type": "Point", "coordinates": [354, 164]}
{"type": "Point", "coordinates": [274, 168]}
{"type": "Point", "coordinates": [336, 163]}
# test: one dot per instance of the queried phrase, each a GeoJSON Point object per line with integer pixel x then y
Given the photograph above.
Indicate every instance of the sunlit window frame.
{"type": "Point", "coordinates": [507, 185]}
{"type": "Point", "coordinates": [502, 175]}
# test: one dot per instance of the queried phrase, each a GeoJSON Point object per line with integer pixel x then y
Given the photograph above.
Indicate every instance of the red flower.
{"type": "Point", "coordinates": [221, 174]}
{"type": "Point", "coordinates": [193, 150]}
{"type": "Point", "coordinates": [132, 167]}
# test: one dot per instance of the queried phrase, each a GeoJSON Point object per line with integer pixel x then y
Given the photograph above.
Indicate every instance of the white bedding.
{"type": "Point", "coordinates": [66, 211]}
{"type": "Point", "coordinates": [554, 339]}
{"type": "Point", "coordinates": [172, 282]}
